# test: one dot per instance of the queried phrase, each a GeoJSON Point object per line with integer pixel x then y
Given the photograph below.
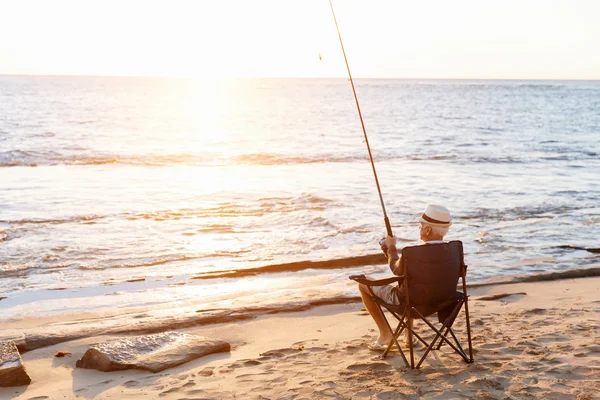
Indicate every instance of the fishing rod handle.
{"type": "Point", "coordinates": [388, 227]}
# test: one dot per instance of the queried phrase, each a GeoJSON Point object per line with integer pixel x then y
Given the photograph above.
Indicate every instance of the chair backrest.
{"type": "Point", "coordinates": [433, 271]}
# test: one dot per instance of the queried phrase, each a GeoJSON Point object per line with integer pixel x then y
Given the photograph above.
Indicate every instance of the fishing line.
{"type": "Point", "coordinates": [388, 227]}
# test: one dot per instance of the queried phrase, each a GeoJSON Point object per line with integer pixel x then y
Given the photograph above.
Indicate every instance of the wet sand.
{"type": "Point", "coordinates": [531, 340]}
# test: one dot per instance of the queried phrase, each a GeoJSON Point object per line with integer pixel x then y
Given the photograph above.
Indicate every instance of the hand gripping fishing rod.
{"type": "Point", "coordinates": [388, 227]}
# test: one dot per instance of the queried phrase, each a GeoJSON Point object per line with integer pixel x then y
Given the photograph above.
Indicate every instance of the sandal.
{"type": "Point", "coordinates": [376, 346]}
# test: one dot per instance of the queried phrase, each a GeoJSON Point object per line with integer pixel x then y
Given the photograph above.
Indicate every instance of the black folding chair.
{"type": "Point", "coordinates": [428, 285]}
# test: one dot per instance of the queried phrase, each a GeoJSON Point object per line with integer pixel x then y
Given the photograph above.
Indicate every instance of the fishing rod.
{"type": "Point", "coordinates": [388, 227]}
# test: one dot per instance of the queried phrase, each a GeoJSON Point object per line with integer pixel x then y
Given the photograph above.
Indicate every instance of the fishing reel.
{"type": "Point", "coordinates": [383, 246]}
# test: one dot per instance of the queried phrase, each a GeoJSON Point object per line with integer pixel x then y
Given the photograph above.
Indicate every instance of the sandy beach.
{"type": "Point", "coordinates": [541, 341]}
{"type": "Point", "coordinates": [186, 188]}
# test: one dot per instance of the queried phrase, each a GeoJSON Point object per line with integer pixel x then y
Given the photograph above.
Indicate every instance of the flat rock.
{"type": "Point", "coordinates": [152, 353]}
{"type": "Point", "coordinates": [499, 296]}
{"type": "Point", "coordinates": [12, 371]}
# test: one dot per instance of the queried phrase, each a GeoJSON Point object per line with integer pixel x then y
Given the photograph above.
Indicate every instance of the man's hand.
{"type": "Point", "coordinates": [386, 243]}
{"type": "Point", "coordinates": [383, 246]}
{"type": "Point", "coordinates": [390, 241]}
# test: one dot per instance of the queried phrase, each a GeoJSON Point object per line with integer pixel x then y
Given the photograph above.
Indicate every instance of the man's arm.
{"type": "Point", "coordinates": [389, 248]}
{"type": "Point", "coordinates": [394, 260]}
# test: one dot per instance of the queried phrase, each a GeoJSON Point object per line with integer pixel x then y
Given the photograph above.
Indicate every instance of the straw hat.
{"type": "Point", "coordinates": [436, 216]}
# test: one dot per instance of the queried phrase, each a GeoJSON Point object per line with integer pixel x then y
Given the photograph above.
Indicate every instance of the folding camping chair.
{"type": "Point", "coordinates": [428, 284]}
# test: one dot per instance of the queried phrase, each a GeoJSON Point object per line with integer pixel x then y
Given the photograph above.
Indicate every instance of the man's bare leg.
{"type": "Point", "coordinates": [384, 333]}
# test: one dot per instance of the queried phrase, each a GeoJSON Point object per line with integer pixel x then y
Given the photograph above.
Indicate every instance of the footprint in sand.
{"type": "Point", "coordinates": [527, 343]}
{"type": "Point", "coordinates": [315, 349]}
{"type": "Point", "coordinates": [484, 383]}
{"type": "Point", "coordinates": [529, 381]}
{"type": "Point", "coordinates": [169, 391]}
{"type": "Point", "coordinates": [194, 392]}
{"type": "Point", "coordinates": [304, 342]}
{"type": "Point", "coordinates": [192, 398]}
{"type": "Point", "coordinates": [374, 366]}
{"type": "Point", "coordinates": [535, 352]}
{"type": "Point", "coordinates": [529, 390]}
{"type": "Point", "coordinates": [208, 371]}
{"type": "Point", "coordinates": [251, 376]}
{"type": "Point", "coordinates": [302, 362]}
{"type": "Point", "coordinates": [478, 368]}
{"type": "Point", "coordinates": [535, 311]}
{"type": "Point", "coordinates": [130, 384]}
{"type": "Point", "coordinates": [594, 349]}
{"type": "Point", "coordinates": [492, 345]}
{"type": "Point", "coordinates": [280, 352]}
{"type": "Point", "coordinates": [560, 370]}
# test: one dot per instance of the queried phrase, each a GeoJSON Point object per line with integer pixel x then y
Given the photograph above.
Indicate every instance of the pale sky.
{"type": "Point", "coordinates": [469, 39]}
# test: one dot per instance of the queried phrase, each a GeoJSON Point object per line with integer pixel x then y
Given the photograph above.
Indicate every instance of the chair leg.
{"type": "Point", "coordinates": [466, 300]}
{"type": "Point", "coordinates": [410, 344]}
{"type": "Point", "coordinates": [468, 329]}
{"type": "Point", "coordinates": [394, 339]}
{"type": "Point", "coordinates": [441, 341]}
{"type": "Point", "coordinates": [448, 324]}
{"type": "Point", "coordinates": [438, 335]}
{"type": "Point", "coordinates": [462, 352]}
{"type": "Point", "coordinates": [396, 333]}
{"type": "Point", "coordinates": [458, 350]}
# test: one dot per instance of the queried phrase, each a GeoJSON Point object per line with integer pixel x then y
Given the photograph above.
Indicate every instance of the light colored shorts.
{"type": "Point", "coordinates": [388, 293]}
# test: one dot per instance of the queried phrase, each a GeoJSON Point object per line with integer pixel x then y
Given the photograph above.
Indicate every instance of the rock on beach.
{"type": "Point", "coordinates": [152, 353]}
{"type": "Point", "coordinates": [12, 370]}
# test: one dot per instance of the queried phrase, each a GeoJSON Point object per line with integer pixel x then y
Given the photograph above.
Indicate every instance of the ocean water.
{"type": "Point", "coordinates": [117, 192]}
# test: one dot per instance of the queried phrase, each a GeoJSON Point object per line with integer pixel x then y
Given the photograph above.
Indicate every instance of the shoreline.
{"type": "Point", "coordinates": [531, 340]}
{"type": "Point", "coordinates": [42, 332]}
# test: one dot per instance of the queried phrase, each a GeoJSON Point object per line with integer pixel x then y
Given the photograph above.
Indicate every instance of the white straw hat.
{"type": "Point", "coordinates": [436, 216]}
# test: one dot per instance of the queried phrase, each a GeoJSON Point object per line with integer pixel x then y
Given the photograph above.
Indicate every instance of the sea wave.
{"type": "Point", "coordinates": [520, 213]}
{"type": "Point", "coordinates": [18, 158]}
{"type": "Point", "coordinates": [540, 277]}
{"type": "Point", "coordinates": [542, 85]}
{"type": "Point", "coordinates": [339, 263]}
{"type": "Point", "coordinates": [8, 270]}
{"type": "Point", "coordinates": [263, 206]}
{"type": "Point", "coordinates": [28, 158]}
{"type": "Point", "coordinates": [150, 262]}
{"type": "Point", "coordinates": [53, 221]}
{"type": "Point", "coordinates": [484, 84]}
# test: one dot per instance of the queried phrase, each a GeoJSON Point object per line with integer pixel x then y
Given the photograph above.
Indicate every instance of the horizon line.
{"type": "Point", "coordinates": [292, 77]}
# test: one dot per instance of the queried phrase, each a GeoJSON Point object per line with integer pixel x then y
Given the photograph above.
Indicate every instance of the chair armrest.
{"type": "Point", "coordinates": [376, 282]}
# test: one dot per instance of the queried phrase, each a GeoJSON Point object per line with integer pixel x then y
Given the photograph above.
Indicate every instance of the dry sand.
{"type": "Point", "coordinates": [541, 343]}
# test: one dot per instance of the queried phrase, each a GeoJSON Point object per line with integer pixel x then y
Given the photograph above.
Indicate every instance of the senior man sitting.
{"type": "Point", "coordinates": [433, 226]}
